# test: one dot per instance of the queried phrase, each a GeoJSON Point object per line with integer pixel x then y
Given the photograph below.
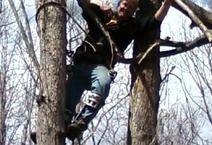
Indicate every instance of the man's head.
{"type": "Point", "coordinates": [126, 8]}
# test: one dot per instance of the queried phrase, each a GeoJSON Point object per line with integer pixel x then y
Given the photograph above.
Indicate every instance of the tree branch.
{"type": "Point", "coordinates": [0, 6]}
{"type": "Point", "coordinates": [195, 19]}
{"type": "Point", "coordinates": [27, 40]}
{"type": "Point", "coordinates": [140, 57]}
{"type": "Point", "coordinates": [182, 46]}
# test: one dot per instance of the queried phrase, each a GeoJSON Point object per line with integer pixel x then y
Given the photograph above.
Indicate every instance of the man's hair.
{"type": "Point", "coordinates": [135, 2]}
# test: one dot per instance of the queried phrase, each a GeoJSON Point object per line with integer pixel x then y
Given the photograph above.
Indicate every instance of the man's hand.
{"type": "Point", "coordinates": [108, 13]}
{"type": "Point", "coordinates": [99, 3]}
{"type": "Point", "coordinates": [161, 13]}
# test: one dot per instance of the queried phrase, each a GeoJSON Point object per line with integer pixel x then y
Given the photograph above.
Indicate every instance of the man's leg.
{"type": "Point", "coordinates": [74, 90]}
{"type": "Point", "coordinates": [100, 86]}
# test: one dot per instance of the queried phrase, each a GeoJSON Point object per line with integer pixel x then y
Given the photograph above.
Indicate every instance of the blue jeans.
{"type": "Point", "coordinates": [95, 78]}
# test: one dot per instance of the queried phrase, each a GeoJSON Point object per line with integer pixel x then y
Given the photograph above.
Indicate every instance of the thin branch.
{"type": "Point", "coordinates": [29, 46]}
{"type": "Point", "coordinates": [0, 6]}
{"type": "Point", "coordinates": [155, 45]}
{"type": "Point", "coordinates": [28, 29]}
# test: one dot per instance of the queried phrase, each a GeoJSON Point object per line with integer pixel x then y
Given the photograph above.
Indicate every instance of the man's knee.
{"type": "Point", "coordinates": [103, 74]}
{"type": "Point", "coordinates": [93, 100]}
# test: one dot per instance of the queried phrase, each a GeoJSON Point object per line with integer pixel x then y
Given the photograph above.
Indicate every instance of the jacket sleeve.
{"type": "Point", "coordinates": [83, 2]}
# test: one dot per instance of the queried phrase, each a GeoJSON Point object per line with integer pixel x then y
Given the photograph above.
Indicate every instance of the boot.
{"type": "Point", "coordinates": [33, 137]}
{"type": "Point", "coordinates": [88, 112]}
{"type": "Point", "coordinates": [75, 129]}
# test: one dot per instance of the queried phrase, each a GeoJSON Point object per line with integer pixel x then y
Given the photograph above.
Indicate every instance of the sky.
{"type": "Point", "coordinates": [173, 26]}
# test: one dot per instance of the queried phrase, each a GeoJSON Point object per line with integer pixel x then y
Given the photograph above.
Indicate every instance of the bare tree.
{"type": "Point", "coordinates": [145, 102]}
{"type": "Point", "coordinates": [3, 74]}
{"type": "Point", "coordinates": [52, 33]}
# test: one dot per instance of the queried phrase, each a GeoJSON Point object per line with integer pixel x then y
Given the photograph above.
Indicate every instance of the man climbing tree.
{"type": "Point", "coordinates": [95, 58]}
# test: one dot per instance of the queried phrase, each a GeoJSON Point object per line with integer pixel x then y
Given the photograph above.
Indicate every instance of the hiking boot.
{"type": "Point", "coordinates": [75, 129]}
{"type": "Point", "coordinates": [33, 137]}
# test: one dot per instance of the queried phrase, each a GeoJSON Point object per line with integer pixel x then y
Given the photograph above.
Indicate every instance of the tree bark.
{"type": "Point", "coordinates": [2, 104]}
{"type": "Point", "coordinates": [145, 91]}
{"type": "Point", "coordinates": [52, 28]}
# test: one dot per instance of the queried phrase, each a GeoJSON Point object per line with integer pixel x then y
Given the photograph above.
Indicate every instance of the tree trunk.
{"type": "Point", "coordinates": [145, 92]}
{"type": "Point", "coordinates": [3, 83]}
{"type": "Point", "coordinates": [2, 107]}
{"type": "Point", "coordinates": [52, 31]}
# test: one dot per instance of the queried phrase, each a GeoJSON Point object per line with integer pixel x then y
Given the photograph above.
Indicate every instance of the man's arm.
{"type": "Point", "coordinates": [96, 2]}
{"type": "Point", "coordinates": [161, 13]}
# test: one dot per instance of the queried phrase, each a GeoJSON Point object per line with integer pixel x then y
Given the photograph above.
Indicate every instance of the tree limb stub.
{"type": "Point", "coordinates": [195, 19]}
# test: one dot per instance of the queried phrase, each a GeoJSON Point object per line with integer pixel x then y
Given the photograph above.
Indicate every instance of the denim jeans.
{"type": "Point", "coordinates": [95, 78]}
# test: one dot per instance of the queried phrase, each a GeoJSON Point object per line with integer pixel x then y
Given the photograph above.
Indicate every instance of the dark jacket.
{"type": "Point", "coordinates": [122, 34]}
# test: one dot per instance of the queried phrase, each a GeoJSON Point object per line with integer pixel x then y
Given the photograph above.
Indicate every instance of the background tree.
{"type": "Point", "coordinates": [184, 112]}
{"type": "Point", "coordinates": [52, 33]}
{"type": "Point", "coordinates": [145, 94]}
{"type": "Point", "coordinates": [17, 84]}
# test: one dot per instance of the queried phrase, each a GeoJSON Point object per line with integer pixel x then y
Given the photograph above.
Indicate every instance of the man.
{"type": "Point", "coordinates": [92, 60]}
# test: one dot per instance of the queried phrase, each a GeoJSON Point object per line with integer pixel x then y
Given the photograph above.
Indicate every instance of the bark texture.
{"type": "Point", "coordinates": [2, 107]}
{"type": "Point", "coordinates": [145, 92]}
{"type": "Point", "coordinates": [52, 31]}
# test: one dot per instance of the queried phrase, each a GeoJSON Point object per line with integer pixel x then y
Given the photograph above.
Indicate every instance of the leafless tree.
{"type": "Point", "coordinates": [18, 77]}
{"type": "Point", "coordinates": [144, 108]}
{"type": "Point", "coordinates": [52, 32]}
{"type": "Point", "coordinates": [186, 100]}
